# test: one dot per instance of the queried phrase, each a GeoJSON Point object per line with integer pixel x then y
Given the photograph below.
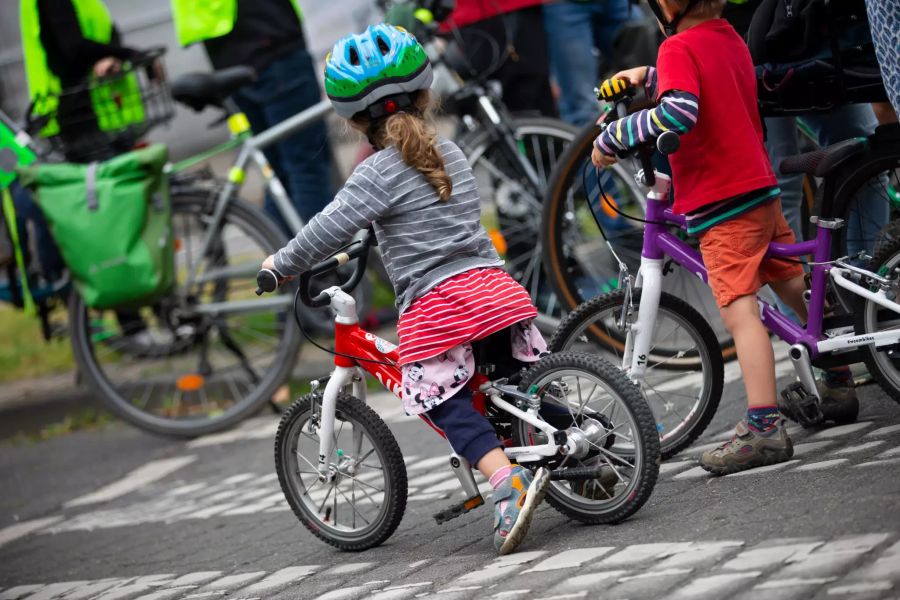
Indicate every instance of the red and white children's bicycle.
{"type": "Point", "coordinates": [341, 468]}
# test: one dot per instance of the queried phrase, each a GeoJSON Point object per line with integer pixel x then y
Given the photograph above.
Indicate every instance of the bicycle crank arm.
{"type": "Point", "coordinates": [576, 474]}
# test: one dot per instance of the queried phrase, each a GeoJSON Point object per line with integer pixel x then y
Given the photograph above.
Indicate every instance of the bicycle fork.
{"type": "Point", "coordinates": [649, 278]}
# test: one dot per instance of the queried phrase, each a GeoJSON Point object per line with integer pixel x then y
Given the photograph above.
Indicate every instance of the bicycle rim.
{"type": "Point", "coordinates": [172, 370]}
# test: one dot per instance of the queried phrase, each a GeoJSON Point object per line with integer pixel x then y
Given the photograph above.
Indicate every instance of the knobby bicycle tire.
{"type": "Point", "coordinates": [258, 227]}
{"type": "Point", "coordinates": [384, 444]}
{"type": "Point", "coordinates": [646, 457]}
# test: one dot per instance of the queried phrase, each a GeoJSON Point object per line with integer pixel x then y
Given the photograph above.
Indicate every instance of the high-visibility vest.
{"type": "Point", "coordinates": [116, 104]}
{"type": "Point", "coordinates": [198, 20]}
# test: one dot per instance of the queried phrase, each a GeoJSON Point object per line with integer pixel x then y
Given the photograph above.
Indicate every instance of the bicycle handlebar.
{"type": "Point", "coordinates": [620, 94]}
{"type": "Point", "coordinates": [268, 280]}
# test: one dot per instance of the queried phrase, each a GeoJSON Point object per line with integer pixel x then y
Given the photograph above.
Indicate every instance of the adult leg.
{"type": "Point", "coordinates": [250, 103]}
{"type": "Point", "coordinates": [525, 75]}
{"type": "Point", "coordinates": [871, 210]}
{"type": "Point", "coordinates": [573, 64]}
{"type": "Point", "coordinates": [305, 156]}
{"type": "Point", "coordinates": [781, 142]}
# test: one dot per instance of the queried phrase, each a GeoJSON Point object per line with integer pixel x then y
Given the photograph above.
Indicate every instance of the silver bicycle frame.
{"type": "Point", "coordinates": [251, 149]}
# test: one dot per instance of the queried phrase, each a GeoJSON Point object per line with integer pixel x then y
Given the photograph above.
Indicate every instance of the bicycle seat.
{"type": "Point", "coordinates": [199, 90]}
{"type": "Point", "coordinates": [820, 163]}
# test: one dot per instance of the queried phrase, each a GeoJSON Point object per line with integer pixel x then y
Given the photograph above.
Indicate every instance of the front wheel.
{"type": "Point", "coordinates": [363, 498]}
{"type": "Point", "coordinates": [593, 401]}
{"type": "Point", "coordinates": [685, 370]}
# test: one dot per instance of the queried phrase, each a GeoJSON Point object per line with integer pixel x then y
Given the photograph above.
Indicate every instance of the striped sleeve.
{"type": "Point", "coordinates": [677, 111]}
{"type": "Point", "coordinates": [361, 201]}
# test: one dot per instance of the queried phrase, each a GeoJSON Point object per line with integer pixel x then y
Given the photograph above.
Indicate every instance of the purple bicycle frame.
{"type": "Point", "coordinates": [660, 243]}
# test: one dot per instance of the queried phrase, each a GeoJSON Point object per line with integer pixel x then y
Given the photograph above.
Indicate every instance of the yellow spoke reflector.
{"type": "Point", "coordinates": [190, 382]}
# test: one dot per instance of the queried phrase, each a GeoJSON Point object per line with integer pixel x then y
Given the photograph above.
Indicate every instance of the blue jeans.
{"type": "Point", "coordinates": [574, 29]}
{"type": "Point", "coordinates": [842, 124]}
{"type": "Point", "coordinates": [302, 161]}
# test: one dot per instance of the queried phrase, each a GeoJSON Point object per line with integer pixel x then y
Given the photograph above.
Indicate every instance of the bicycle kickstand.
{"type": "Point", "coordinates": [463, 471]}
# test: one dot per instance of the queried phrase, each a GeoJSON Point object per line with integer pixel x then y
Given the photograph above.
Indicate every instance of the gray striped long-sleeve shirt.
{"type": "Point", "coordinates": [423, 240]}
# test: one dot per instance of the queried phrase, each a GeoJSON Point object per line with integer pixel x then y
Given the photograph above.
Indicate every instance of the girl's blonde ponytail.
{"type": "Point", "coordinates": [417, 143]}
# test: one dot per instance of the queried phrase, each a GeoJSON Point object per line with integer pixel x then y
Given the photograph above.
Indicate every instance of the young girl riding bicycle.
{"type": "Point", "coordinates": [419, 195]}
{"type": "Point", "coordinates": [706, 88]}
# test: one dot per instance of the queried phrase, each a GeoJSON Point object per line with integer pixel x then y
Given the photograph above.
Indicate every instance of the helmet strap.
{"type": "Point", "coordinates": [670, 27]}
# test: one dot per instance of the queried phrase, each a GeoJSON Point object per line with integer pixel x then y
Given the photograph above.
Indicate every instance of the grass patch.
{"type": "Point", "coordinates": [24, 354]}
{"type": "Point", "coordinates": [83, 419]}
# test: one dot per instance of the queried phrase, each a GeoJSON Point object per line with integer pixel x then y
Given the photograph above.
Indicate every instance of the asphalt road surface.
{"type": "Point", "coordinates": [117, 514]}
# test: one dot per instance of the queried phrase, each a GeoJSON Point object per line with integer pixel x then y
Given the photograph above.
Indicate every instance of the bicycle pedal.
{"type": "Point", "coordinates": [800, 406]}
{"type": "Point", "coordinates": [457, 510]}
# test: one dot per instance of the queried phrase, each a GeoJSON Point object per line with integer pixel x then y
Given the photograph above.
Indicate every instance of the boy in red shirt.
{"type": "Point", "coordinates": [706, 88]}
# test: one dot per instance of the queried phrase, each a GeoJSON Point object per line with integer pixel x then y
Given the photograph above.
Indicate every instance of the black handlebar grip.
{"type": "Point", "coordinates": [267, 280]}
{"type": "Point", "coordinates": [668, 143]}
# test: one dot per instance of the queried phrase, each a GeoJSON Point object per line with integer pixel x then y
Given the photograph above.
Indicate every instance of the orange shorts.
{"type": "Point", "coordinates": [734, 253]}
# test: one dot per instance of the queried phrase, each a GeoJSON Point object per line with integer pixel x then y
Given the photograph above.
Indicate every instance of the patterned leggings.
{"type": "Point", "coordinates": [884, 19]}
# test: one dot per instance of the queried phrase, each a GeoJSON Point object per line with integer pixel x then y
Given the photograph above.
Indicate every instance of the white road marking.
{"type": "Point", "coordinates": [94, 588]}
{"type": "Point", "coordinates": [282, 578]}
{"type": "Point", "coordinates": [672, 467]}
{"type": "Point", "coordinates": [198, 578]}
{"type": "Point", "coordinates": [260, 428]}
{"type": "Point", "coordinates": [714, 585]}
{"type": "Point", "coordinates": [766, 469]}
{"type": "Point", "coordinates": [806, 448]}
{"type": "Point", "coordinates": [777, 584]}
{"type": "Point", "coordinates": [591, 581]}
{"type": "Point", "coordinates": [654, 573]}
{"type": "Point", "coordinates": [859, 588]}
{"type": "Point", "coordinates": [140, 477]}
{"type": "Point", "coordinates": [349, 568]}
{"type": "Point", "coordinates": [824, 464]}
{"type": "Point", "coordinates": [569, 559]}
{"type": "Point", "coordinates": [23, 528]}
{"type": "Point", "coordinates": [859, 448]}
{"type": "Point", "coordinates": [890, 453]}
{"type": "Point", "coordinates": [884, 431]}
{"type": "Point", "coordinates": [14, 593]}
{"type": "Point", "coordinates": [879, 463]}
{"type": "Point", "coordinates": [54, 590]}
{"type": "Point", "coordinates": [642, 552]}
{"type": "Point", "coordinates": [232, 581]}
{"type": "Point", "coordinates": [769, 555]}
{"type": "Point", "coordinates": [700, 552]}
{"type": "Point", "coordinates": [842, 430]}
{"type": "Point", "coordinates": [691, 474]}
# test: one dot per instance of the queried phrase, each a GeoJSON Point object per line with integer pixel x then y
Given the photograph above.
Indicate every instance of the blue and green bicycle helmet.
{"type": "Point", "coordinates": [384, 63]}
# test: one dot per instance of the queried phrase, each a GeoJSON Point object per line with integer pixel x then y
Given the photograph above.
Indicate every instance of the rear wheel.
{"type": "Point", "coordinates": [180, 367]}
{"type": "Point", "coordinates": [584, 393]}
{"type": "Point", "coordinates": [363, 499]}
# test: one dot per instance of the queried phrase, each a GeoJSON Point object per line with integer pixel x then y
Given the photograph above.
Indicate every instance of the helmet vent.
{"type": "Point", "coordinates": [383, 46]}
{"type": "Point", "coordinates": [353, 56]}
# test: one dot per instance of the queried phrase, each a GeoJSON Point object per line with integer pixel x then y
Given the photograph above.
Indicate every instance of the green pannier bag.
{"type": "Point", "coordinates": [112, 222]}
